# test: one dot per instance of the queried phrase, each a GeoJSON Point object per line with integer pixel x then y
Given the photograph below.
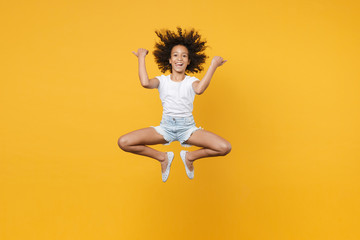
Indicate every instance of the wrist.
{"type": "Point", "coordinates": [213, 65]}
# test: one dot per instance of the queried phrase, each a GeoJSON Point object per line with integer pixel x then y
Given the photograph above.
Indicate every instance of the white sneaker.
{"type": "Point", "coordinates": [189, 173]}
{"type": "Point", "coordinates": [165, 174]}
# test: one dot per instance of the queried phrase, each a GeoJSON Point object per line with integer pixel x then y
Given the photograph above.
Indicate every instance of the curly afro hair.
{"type": "Point", "coordinates": [190, 39]}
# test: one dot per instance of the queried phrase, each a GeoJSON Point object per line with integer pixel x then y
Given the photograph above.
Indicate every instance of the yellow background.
{"type": "Point", "coordinates": [287, 99]}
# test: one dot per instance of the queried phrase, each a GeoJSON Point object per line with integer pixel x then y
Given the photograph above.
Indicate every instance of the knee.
{"type": "Point", "coordinates": [224, 148]}
{"type": "Point", "coordinates": [123, 143]}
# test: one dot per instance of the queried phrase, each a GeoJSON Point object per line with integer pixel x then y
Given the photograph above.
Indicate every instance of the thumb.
{"type": "Point", "coordinates": [222, 63]}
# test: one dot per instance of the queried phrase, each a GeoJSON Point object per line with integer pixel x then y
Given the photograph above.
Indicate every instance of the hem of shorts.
{"type": "Point", "coordinates": [159, 132]}
{"type": "Point", "coordinates": [191, 133]}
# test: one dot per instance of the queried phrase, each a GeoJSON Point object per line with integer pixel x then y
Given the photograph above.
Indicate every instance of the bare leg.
{"type": "Point", "coordinates": [213, 145]}
{"type": "Point", "coordinates": [135, 142]}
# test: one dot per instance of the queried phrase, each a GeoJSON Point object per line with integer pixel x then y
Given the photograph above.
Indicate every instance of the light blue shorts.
{"type": "Point", "coordinates": [176, 129]}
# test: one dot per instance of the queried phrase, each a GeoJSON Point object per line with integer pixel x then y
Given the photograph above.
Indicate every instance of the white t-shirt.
{"type": "Point", "coordinates": [177, 97]}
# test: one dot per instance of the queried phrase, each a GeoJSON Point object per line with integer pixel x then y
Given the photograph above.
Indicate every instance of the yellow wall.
{"type": "Point", "coordinates": [287, 99]}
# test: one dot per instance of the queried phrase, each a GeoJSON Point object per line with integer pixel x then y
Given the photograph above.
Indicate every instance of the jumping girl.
{"type": "Point", "coordinates": [180, 52]}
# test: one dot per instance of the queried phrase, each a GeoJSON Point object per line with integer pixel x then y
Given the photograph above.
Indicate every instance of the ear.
{"type": "Point", "coordinates": [189, 62]}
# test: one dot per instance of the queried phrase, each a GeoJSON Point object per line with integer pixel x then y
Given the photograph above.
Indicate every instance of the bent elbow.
{"type": "Point", "coordinates": [145, 85]}
{"type": "Point", "coordinates": [198, 92]}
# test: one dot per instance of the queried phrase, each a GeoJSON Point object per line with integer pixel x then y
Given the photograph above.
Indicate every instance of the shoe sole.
{"type": "Point", "coordinates": [168, 166]}
{"type": "Point", "coordinates": [186, 168]}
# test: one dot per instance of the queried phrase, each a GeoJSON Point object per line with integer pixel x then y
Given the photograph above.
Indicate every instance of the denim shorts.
{"type": "Point", "coordinates": [176, 129]}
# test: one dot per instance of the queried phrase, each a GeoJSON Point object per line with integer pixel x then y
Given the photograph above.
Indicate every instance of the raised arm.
{"type": "Point", "coordinates": [144, 79]}
{"type": "Point", "coordinates": [200, 87]}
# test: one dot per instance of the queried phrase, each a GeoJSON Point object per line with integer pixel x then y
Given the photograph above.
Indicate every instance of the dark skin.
{"type": "Point", "coordinates": [211, 144]}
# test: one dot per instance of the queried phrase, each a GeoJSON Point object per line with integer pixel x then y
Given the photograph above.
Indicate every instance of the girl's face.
{"type": "Point", "coordinates": [179, 58]}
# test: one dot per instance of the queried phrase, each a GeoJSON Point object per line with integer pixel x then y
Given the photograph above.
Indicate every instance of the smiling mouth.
{"type": "Point", "coordinates": [179, 64]}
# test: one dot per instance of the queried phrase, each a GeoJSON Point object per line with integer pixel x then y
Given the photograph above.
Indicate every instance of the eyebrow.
{"type": "Point", "coordinates": [181, 52]}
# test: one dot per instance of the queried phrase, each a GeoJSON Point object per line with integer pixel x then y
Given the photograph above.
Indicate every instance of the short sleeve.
{"type": "Point", "coordinates": [191, 81]}
{"type": "Point", "coordinates": [161, 79]}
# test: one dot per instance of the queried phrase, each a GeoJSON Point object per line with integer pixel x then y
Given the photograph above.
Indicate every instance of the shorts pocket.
{"type": "Point", "coordinates": [189, 121]}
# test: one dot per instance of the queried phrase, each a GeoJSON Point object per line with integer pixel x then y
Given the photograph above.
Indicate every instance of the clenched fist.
{"type": "Point", "coordinates": [141, 52]}
{"type": "Point", "coordinates": [218, 61]}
